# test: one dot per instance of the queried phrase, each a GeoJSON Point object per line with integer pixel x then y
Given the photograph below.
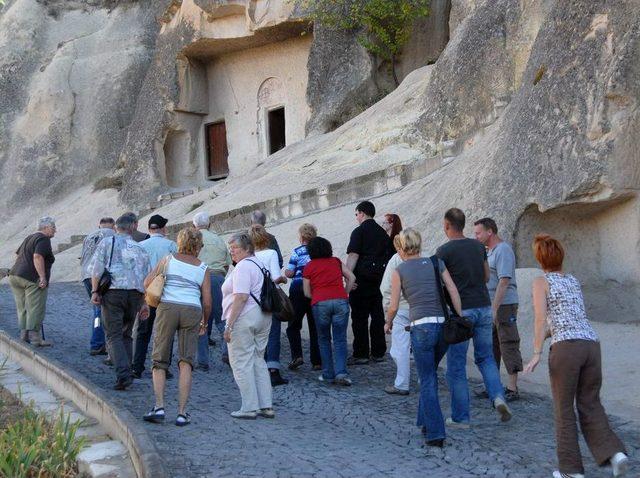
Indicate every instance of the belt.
{"type": "Point", "coordinates": [428, 320]}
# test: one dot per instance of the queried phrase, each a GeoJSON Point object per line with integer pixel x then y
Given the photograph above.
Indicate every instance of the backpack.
{"type": "Point", "coordinates": [270, 300]}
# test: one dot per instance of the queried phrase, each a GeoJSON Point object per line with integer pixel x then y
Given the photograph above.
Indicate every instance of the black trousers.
{"type": "Point", "coordinates": [302, 307]}
{"type": "Point", "coordinates": [364, 306]}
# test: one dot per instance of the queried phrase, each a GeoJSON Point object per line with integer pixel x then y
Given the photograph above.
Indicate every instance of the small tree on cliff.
{"type": "Point", "coordinates": [385, 25]}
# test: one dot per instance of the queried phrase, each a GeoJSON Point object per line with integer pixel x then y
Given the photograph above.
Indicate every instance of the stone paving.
{"type": "Point", "coordinates": [320, 430]}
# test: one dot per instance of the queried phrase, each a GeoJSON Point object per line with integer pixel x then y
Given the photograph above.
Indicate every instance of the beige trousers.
{"type": "Point", "coordinates": [246, 357]}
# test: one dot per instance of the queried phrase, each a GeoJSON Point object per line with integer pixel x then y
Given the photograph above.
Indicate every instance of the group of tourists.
{"type": "Point", "coordinates": [213, 290]}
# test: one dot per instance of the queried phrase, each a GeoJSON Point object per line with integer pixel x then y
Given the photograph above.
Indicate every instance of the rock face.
{"type": "Point", "coordinates": [529, 115]}
{"type": "Point", "coordinates": [68, 74]}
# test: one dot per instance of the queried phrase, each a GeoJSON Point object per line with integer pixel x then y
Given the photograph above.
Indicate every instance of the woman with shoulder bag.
{"type": "Point", "coordinates": [574, 365]}
{"type": "Point", "coordinates": [184, 307]}
{"type": "Point", "coordinates": [323, 281]}
{"type": "Point", "coordinates": [247, 329]}
{"type": "Point", "coordinates": [415, 278]}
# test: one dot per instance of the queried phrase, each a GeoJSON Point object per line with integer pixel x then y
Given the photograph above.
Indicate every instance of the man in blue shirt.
{"type": "Point", "coordinates": [158, 247]}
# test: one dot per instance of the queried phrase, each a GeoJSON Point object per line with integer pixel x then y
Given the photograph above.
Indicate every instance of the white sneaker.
{"type": "Point", "coordinates": [450, 422]}
{"type": "Point", "coordinates": [503, 409]}
{"type": "Point", "coordinates": [619, 464]}
{"type": "Point", "coordinates": [244, 415]}
{"type": "Point", "coordinates": [557, 474]}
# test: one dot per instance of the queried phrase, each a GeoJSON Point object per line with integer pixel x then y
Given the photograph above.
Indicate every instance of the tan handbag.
{"type": "Point", "coordinates": [153, 293]}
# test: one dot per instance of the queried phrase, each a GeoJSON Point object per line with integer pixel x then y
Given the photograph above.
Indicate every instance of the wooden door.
{"type": "Point", "coordinates": [217, 151]}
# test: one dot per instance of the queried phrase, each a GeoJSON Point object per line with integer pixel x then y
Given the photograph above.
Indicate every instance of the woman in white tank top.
{"type": "Point", "coordinates": [184, 307]}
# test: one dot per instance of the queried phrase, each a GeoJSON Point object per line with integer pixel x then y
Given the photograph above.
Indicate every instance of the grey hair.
{"type": "Point", "coordinates": [46, 221]}
{"type": "Point", "coordinates": [201, 219]}
{"type": "Point", "coordinates": [125, 223]}
{"type": "Point", "coordinates": [258, 217]}
{"type": "Point", "coordinates": [243, 240]}
{"type": "Point", "coordinates": [132, 215]}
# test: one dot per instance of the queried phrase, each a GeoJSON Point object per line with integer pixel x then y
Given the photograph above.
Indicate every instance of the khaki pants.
{"type": "Point", "coordinates": [31, 302]}
{"type": "Point", "coordinates": [506, 339]}
{"type": "Point", "coordinates": [576, 376]}
{"type": "Point", "coordinates": [246, 357]}
{"type": "Point", "coordinates": [169, 318]}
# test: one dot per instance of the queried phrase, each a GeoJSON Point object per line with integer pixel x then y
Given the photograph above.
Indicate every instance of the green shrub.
{"type": "Point", "coordinates": [34, 447]}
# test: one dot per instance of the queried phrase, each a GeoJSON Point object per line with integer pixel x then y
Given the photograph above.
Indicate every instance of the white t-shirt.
{"type": "Point", "coordinates": [246, 278]}
{"type": "Point", "coordinates": [269, 258]}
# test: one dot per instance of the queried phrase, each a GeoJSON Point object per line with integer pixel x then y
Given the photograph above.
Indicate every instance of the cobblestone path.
{"type": "Point", "coordinates": [320, 430]}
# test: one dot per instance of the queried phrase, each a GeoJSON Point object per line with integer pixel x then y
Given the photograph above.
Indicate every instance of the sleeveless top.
{"type": "Point", "coordinates": [566, 314]}
{"type": "Point", "coordinates": [419, 287]}
{"type": "Point", "coordinates": [182, 284]}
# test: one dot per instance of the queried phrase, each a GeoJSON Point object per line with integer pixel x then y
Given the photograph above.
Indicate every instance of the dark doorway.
{"type": "Point", "coordinates": [276, 130]}
{"type": "Point", "coordinates": [217, 152]}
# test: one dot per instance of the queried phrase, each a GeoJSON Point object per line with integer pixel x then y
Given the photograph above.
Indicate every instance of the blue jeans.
{"type": "Point", "coordinates": [272, 352]}
{"type": "Point", "coordinates": [97, 334]}
{"type": "Point", "coordinates": [332, 315]}
{"type": "Point", "coordinates": [428, 349]}
{"type": "Point", "coordinates": [215, 318]}
{"type": "Point", "coordinates": [483, 353]}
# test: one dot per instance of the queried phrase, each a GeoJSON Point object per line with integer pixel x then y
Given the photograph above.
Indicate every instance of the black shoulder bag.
{"type": "Point", "coordinates": [272, 297]}
{"type": "Point", "coordinates": [105, 279]}
{"type": "Point", "coordinates": [456, 329]}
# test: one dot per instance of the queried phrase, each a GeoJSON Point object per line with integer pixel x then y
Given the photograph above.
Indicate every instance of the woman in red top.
{"type": "Point", "coordinates": [323, 281]}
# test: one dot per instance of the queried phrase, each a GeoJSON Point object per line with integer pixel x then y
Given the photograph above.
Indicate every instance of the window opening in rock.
{"type": "Point", "coordinates": [276, 130]}
{"type": "Point", "coordinates": [217, 151]}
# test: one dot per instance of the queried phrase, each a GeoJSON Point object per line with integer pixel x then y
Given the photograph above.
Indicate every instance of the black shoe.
{"type": "Point", "coordinates": [377, 359]}
{"type": "Point", "coordinates": [296, 363]}
{"type": "Point", "coordinates": [437, 443]}
{"type": "Point", "coordinates": [108, 362]}
{"type": "Point", "coordinates": [99, 351]}
{"type": "Point", "coordinates": [168, 374]}
{"type": "Point", "coordinates": [212, 342]}
{"type": "Point", "coordinates": [202, 367]}
{"type": "Point", "coordinates": [276, 378]}
{"type": "Point", "coordinates": [123, 383]}
{"type": "Point", "coordinates": [316, 367]}
{"type": "Point", "coordinates": [136, 374]}
{"type": "Point", "coordinates": [511, 395]}
{"type": "Point", "coordinates": [225, 359]}
{"type": "Point", "coordinates": [357, 361]}
{"type": "Point", "coordinates": [156, 415]}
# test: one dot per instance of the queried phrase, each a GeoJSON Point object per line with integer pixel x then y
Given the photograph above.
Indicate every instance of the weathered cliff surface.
{"type": "Point", "coordinates": [529, 115]}
{"type": "Point", "coordinates": [70, 72]}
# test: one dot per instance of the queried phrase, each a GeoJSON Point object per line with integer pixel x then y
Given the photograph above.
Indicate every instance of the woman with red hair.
{"type": "Point", "coordinates": [392, 225]}
{"type": "Point", "coordinates": [574, 365]}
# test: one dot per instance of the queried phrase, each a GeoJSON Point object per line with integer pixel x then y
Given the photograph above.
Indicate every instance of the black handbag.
{"type": "Point", "coordinates": [105, 279]}
{"type": "Point", "coordinates": [456, 329]}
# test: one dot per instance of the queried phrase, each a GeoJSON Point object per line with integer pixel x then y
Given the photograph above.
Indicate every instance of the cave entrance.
{"type": "Point", "coordinates": [217, 150]}
{"type": "Point", "coordinates": [277, 128]}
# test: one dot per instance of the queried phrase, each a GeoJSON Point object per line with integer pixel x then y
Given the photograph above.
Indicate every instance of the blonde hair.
{"type": "Point", "coordinates": [189, 241]}
{"type": "Point", "coordinates": [307, 231]}
{"type": "Point", "coordinates": [410, 241]}
{"type": "Point", "coordinates": [396, 243]}
{"type": "Point", "coordinates": [259, 236]}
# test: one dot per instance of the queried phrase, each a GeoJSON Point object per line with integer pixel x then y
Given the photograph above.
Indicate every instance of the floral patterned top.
{"type": "Point", "coordinates": [566, 314]}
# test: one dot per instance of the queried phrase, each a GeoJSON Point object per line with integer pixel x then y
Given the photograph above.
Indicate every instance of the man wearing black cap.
{"type": "Point", "coordinates": [158, 247]}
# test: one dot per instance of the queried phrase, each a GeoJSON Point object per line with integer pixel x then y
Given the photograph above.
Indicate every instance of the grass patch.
{"type": "Point", "coordinates": [31, 446]}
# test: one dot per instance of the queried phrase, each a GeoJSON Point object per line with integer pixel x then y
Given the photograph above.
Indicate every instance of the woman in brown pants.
{"type": "Point", "coordinates": [574, 365]}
